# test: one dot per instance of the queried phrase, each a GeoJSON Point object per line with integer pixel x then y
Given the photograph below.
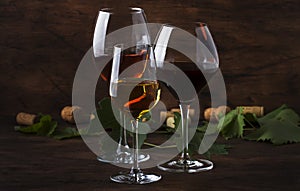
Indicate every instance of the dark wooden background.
{"type": "Point", "coordinates": [43, 41]}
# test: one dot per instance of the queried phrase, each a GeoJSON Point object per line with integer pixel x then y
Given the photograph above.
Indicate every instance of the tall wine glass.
{"type": "Point", "coordinates": [207, 64]}
{"type": "Point", "coordinates": [135, 91]}
{"type": "Point", "coordinates": [108, 21]}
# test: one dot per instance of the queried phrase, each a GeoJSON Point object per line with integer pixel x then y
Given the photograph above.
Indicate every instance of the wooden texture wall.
{"type": "Point", "coordinates": [43, 41]}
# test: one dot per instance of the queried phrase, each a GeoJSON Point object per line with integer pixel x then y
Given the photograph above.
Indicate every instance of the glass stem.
{"type": "Point", "coordinates": [184, 109]}
{"type": "Point", "coordinates": [124, 132]}
{"type": "Point", "coordinates": [119, 149]}
{"type": "Point", "coordinates": [135, 168]}
{"type": "Point", "coordinates": [123, 137]}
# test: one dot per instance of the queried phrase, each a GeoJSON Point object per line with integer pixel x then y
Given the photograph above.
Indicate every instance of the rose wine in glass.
{"type": "Point", "coordinates": [108, 21]}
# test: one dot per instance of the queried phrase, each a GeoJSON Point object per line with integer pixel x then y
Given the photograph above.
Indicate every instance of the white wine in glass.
{"type": "Point", "coordinates": [134, 91]}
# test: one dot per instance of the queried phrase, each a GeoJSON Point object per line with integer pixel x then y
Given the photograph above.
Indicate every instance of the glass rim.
{"type": "Point", "coordinates": [202, 24]}
{"type": "Point", "coordinates": [132, 10]}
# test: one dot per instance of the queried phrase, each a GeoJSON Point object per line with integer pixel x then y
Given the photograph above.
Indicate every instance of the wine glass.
{"type": "Point", "coordinates": [205, 52]}
{"type": "Point", "coordinates": [108, 21]}
{"type": "Point", "coordinates": [135, 91]}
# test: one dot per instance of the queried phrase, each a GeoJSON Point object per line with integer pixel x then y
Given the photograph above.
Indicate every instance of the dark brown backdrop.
{"type": "Point", "coordinates": [43, 41]}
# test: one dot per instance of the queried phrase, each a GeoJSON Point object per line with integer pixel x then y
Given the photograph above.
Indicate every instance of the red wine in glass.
{"type": "Point", "coordinates": [193, 73]}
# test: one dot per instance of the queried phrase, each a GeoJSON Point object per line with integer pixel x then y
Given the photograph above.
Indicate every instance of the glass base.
{"type": "Point", "coordinates": [189, 165]}
{"type": "Point", "coordinates": [124, 158]}
{"type": "Point", "coordinates": [135, 178]}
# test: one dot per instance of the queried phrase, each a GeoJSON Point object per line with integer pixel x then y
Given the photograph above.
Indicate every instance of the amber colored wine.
{"type": "Point", "coordinates": [129, 57]}
{"type": "Point", "coordinates": [142, 96]}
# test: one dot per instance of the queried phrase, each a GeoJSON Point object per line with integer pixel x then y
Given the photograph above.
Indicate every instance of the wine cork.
{"type": "Point", "coordinates": [221, 111]}
{"type": "Point", "coordinates": [175, 110]}
{"type": "Point", "coordinates": [170, 122]}
{"type": "Point", "coordinates": [257, 110]}
{"type": "Point", "coordinates": [164, 115]}
{"type": "Point", "coordinates": [191, 111]}
{"type": "Point", "coordinates": [67, 113]}
{"type": "Point", "coordinates": [214, 114]}
{"type": "Point", "coordinates": [23, 118]}
{"type": "Point", "coordinates": [209, 114]}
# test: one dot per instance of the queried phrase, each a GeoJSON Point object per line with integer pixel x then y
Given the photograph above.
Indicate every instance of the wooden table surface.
{"type": "Point", "coordinates": [29, 162]}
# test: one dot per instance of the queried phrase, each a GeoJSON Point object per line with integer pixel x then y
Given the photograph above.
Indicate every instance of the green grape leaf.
{"type": "Point", "coordinates": [109, 123]}
{"type": "Point", "coordinates": [233, 124]}
{"type": "Point", "coordinates": [177, 118]}
{"type": "Point", "coordinates": [28, 129]}
{"type": "Point", "coordinates": [106, 115]}
{"type": "Point", "coordinates": [177, 138]}
{"type": "Point", "coordinates": [108, 147]}
{"type": "Point", "coordinates": [143, 130]}
{"type": "Point", "coordinates": [195, 142]}
{"type": "Point", "coordinates": [203, 127]}
{"type": "Point", "coordinates": [65, 133]}
{"type": "Point", "coordinates": [217, 149]}
{"type": "Point", "coordinates": [288, 114]}
{"type": "Point", "coordinates": [280, 127]}
{"type": "Point", "coordinates": [147, 116]}
{"type": "Point", "coordinates": [92, 129]}
{"type": "Point", "coordinates": [108, 120]}
{"type": "Point", "coordinates": [141, 138]}
{"type": "Point", "coordinates": [45, 127]}
{"type": "Point", "coordinates": [271, 115]}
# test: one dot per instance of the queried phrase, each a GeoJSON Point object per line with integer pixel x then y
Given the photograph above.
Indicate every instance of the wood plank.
{"type": "Point", "coordinates": [42, 43]}
{"type": "Point", "coordinates": [31, 162]}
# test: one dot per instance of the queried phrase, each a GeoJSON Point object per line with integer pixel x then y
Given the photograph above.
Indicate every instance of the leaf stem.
{"type": "Point", "coordinates": [161, 147]}
{"type": "Point", "coordinates": [249, 124]}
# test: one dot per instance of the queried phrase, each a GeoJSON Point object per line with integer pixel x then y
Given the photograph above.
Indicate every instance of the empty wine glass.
{"type": "Point", "coordinates": [198, 73]}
